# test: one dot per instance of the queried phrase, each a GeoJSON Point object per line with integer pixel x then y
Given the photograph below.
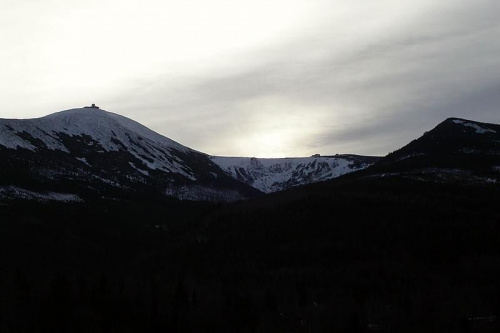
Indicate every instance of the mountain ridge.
{"type": "Point", "coordinates": [277, 174]}
{"type": "Point", "coordinates": [89, 149]}
{"type": "Point", "coordinates": [456, 149]}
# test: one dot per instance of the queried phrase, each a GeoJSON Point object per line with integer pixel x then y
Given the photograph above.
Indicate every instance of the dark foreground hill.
{"type": "Point", "coordinates": [360, 253]}
{"type": "Point", "coordinates": [457, 150]}
{"type": "Point", "coordinates": [379, 255]}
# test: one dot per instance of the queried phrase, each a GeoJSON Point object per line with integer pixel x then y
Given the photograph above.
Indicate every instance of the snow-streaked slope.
{"type": "Point", "coordinates": [92, 150]}
{"type": "Point", "coordinates": [456, 150]}
{"type": "Point", "coordinates": [110, 131]}
{"type": "Point", "coordinates": [276, 174]}
{"type": "Point", "coordinates": [479, 129]}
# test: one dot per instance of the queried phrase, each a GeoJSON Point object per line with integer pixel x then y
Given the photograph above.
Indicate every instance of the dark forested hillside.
{"type": "Point", "coordinates": [455, 150]}
{"type": "Point", "coordinates": [351, 255]}
{"type": "Point", "coordinates": [411, 244]}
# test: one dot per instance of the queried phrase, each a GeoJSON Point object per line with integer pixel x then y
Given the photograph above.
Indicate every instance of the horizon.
{"type": "Point", "coordinates": [94, 106]}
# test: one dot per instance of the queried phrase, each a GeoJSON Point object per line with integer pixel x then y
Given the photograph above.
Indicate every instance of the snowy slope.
{"type": "Point", "coordinates": [456, 150]}
{"type": "Point", "coordinates": [89, 150]}
{"type": "Point", "coordinates": [92, 149]}
{"type": "Point", "coordinates": [478, 128]}
{"type": "Point", "coordinates": [109, 131]}
{"type": "Point", "coordinates": [276, 174]}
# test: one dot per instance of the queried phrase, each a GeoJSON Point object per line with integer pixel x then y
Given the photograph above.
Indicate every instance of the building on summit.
{"type": "Point", "coordinates": [93, 106]}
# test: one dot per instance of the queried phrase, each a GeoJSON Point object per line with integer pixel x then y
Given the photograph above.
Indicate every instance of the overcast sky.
{"type": "Point", "coordinates": [265, 78]}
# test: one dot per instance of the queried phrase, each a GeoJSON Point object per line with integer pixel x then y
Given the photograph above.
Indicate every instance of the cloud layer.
{"type": "Point", "coordinates": [337, 78]}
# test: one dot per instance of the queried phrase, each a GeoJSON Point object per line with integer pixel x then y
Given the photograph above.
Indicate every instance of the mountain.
{"type": "Point", "coordinates": [277, 174]}
{"type": "Point", "coordinates": [89, 151]}
{"type": "Point", "coordinates": [455, 150]}
{"type": "Point", "coordinates": [400, 246]}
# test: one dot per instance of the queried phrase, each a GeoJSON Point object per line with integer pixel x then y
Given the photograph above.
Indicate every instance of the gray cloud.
{"type": "Point", "coordinates": [371, 95]}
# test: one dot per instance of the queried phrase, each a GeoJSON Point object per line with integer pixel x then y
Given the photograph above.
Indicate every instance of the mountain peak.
{"type": "Point", "coordinates": [455, 149]}
{"type": "Point", "coordinates": [103, 126]}
{"type": "Point", "coordinates": [79, 114]}
{"type": "Point", "coordinates": [452, 119]}
{"type": "Point", "coordinates": [99, 149]}
{"type": "Point", "coordinates": [109, 131]}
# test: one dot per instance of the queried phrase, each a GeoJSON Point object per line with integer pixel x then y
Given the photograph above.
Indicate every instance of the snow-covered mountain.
{"type": "Point", "coordinates": [276, 174]}
{"type": "Point", "coordinates": [457, 150]}
{"type": "Point", "coordinates": [107, 131]}
{"type": "Point", "coordinates": [89, 150]}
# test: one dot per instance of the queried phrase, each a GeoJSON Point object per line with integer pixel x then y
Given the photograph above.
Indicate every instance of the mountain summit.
{"type": "Point", "coordinates": [455, 150]}
{"type": "Point", "coordinates": [94, 151]}
{"type": "Point", "coordinates": [109, 131]}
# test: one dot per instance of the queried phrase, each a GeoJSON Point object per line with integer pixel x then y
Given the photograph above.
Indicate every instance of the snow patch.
{"type": "Point", "coordinates": [479, 129]}
{"type": "Point", "coordinates": [83, 160]}
{"type": "Point", "coordinates": [12, 131]}
{"type": "Point", "coordinates": [144, 172]}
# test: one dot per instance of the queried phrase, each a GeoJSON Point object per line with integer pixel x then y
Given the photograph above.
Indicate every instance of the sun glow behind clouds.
{"type": "Point", "coordinates": [274, 126]}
